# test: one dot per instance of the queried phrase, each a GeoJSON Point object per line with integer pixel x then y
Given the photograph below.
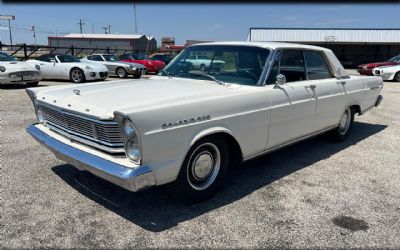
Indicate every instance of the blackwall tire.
{"type": "Point", "coordinates": [342, 131]}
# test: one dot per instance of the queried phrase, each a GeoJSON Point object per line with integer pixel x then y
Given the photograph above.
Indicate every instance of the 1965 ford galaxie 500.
{"type": "Point", "coordinates": [186, 126]}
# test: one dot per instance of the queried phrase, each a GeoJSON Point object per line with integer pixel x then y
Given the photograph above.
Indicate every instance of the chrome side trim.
{"type": "Point", "coordinates": [132, 179]}
{"type": "Point", "coordinates": [289, 143]}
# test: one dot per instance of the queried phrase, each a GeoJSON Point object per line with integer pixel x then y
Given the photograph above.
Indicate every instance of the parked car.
{"type": "Point", "coordinates": [388, 73]}
{"type": "Point", "coordinates": [14, 71]}
{"type": "Point", "coordinates": [366, 69]}
{"type": "Point", "coordinates": [115, 67]}
{"type": "Point", "coordinates": [151, 65]}
{"type": "Point", "coordinates": [203, 62]}
{"type": "Point", "coordinates": [186, 128]}
{"type": "Point", "coordinates": [164, 57]}
{"type": "Point", "coordinates": [67, 67]}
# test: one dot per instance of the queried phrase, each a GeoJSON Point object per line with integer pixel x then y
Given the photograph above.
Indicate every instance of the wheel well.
{"type": "Point", "coordinates": [234, 147]}
{"type": "Point", "coordinates": [356, 109]}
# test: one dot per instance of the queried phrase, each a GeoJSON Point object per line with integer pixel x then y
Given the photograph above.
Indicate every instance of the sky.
{"type": "Point", "coordinates": [213, 22]}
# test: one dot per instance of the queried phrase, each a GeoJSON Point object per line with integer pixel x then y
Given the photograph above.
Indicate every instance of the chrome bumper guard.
{"type": "Point", "coordinates": [133, 179]}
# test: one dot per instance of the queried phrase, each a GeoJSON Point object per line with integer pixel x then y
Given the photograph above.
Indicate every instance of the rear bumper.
{"type": "Point", "coordinates": [367, 72]}
{"type": "Point", "coordinates": [132, 179]}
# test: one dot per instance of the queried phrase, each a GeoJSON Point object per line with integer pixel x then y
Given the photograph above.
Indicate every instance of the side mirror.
{"type": "Point", "coordinates": [280, 80]}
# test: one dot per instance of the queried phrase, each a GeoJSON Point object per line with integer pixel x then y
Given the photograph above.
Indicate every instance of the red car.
{"type": "Point", "coordinates": [150, 64]}
{"type": "Point", "coordinates": [366, 69]}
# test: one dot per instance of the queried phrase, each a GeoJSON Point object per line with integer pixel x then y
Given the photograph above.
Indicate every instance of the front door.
{"type": "Point", "coordinates": [292, 104]}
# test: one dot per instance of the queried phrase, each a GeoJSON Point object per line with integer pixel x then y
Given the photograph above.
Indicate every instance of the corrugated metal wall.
{"type": "Point", "coordinates": [325, 35]}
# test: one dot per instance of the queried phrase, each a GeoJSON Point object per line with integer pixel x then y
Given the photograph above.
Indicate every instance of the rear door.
{"type": "Point", "coordinates": [329, 91]}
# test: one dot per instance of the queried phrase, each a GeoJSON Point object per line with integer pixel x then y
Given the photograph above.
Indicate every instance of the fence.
{"type": "Point", "coordinates": [26, 52]}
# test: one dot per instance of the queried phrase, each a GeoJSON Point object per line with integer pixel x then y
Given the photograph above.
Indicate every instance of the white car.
{"type": "Point", "coordinates": [203, 62]}
{"type": "Point", "coordinates": [388, 73]}
{"type": "Point", "coordinates": [116, 67]}
{"type": "Point", "coordinates": [67, 67]}
{"type": "Point", "coordinates": [187, 128]}
{"type": "Point", "coordinates": [14, 71]}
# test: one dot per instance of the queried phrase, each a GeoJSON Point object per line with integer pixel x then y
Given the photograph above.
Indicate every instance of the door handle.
{"type": "Point", "coordinates": [312, 86]}
{"type": "Point", "coordinates": [341, 82]}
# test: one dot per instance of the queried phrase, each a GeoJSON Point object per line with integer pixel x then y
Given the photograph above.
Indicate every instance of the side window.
{"type": "Point", "coordinates": [292, 65]}
{"type": "Point", "coordinates": [124, 57]}
{"type": "Point", "coordinates": [90, 58]}
{"type": "Point", "coordinates": [316, 66]}
{"type": "Point", "coordinates": [97, 58]}
{"type": "Point", "coordinates": [44, 58]}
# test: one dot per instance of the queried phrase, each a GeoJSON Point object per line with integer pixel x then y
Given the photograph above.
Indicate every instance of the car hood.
{"type": "Point", "coordinates": [16, 65]}
{"type": "Point", "coordinates": [389, 67]}
{"type": "Point", "coordinates": [128, 96]}
{"type": "Point", "coordinates": [94, 65]}
{"type": "Point", "coordinates": [119, 63]}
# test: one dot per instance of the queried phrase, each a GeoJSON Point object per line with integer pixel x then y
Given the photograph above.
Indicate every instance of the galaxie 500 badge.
{"type": "Point", "coordinates": [185, 121]}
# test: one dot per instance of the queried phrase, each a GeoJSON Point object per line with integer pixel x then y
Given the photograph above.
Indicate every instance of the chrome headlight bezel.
{"type": "Point", "coordinates": [131, 137]}
{"type": "Point", "coordinates": [38, 112]}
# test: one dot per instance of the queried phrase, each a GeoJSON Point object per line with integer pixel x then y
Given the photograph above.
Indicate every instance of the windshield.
{"type": "Point", "coordinates": [67, 58]}
{"type": "Point", "coordinates": [6, 57]}
{"type": "Point", "coordinates": [111, 58]}
{"type": "Point", "coordinates": [395, 59]}
{"type": "Point", "coordinates": [225, 63]}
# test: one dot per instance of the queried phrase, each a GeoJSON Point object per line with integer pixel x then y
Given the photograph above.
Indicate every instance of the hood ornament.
{"type": "Point", "coordinates": [77, 91]}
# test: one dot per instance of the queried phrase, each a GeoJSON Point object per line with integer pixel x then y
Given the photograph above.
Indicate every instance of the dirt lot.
{"type": "Point", "coordinates": [312, 194]}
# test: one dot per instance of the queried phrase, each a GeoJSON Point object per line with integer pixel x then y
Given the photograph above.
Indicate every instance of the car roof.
{"type": "Point", "coordinates": [266, 45]}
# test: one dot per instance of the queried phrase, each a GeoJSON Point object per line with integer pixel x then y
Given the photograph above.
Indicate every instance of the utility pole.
{"type": "Point", "coordinates": [9, 18]}
{"type": "Point", "coordinates": [33, 33]}
{"type": "Point", "coordinates": [134, 12]}
{"type": "Point", "coordinates": [81, 23]}
{"type": "Point", "coordinates": [109, 29]}
{"type": "Point", "coordinates": [105, 30]}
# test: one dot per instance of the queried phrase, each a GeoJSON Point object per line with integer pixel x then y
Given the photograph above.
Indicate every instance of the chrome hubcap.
{"type": "Point", "coordinates": [121, 73]}
{"type": "Point", "coordinates": [345, 122]}
{"type": "Point", "coordinates": [204, 165]}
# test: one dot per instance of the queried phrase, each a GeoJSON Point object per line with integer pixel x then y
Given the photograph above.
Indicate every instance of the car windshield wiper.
{"type": "Point", "coordinates": [166, 73]}
{"type": "Point", "coordinates": [208, 76]}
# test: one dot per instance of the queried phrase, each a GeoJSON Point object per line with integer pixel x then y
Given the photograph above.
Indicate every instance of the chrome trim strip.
{"type": "Point", "coordinates": [132, 179]}
{"type": "Point", "coordinates": [288, 143]}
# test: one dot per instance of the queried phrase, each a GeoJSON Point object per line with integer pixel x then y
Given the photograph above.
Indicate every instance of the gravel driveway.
{"type": "Point", "coordinates": [314, 194]}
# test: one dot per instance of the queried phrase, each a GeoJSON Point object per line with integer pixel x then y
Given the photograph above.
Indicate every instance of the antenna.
{"type": "Point", "coordinates": [81, 23]}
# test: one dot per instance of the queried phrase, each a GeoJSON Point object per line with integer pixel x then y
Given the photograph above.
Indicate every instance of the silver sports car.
{"type": "Point", "coordinates": [116, 67]}
{"type": "Point", "coordinates": [14, 71]}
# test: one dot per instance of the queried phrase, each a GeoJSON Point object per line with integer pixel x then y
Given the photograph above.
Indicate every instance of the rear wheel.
{"type": "Point", "coordinates": [341, 132]}
{"type": "Point", "coordinates": [203, 172]}
{"type": "Point", "coordinates": [137, 75]}
{"type": "Point", "coordinates": [76, 75]}
{"type": "Point", "coordinates": [121, 72]}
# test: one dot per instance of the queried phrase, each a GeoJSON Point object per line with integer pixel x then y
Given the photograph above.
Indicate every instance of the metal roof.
{"type": "Point", "coordinates": [267, 45]}
{"type": "Point", "coordinates": [325, 35]}
{"type": "Point", "coordinates": [102, 36]}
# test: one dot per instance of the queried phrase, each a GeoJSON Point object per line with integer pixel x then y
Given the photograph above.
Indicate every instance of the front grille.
{"type": "Point", "coordinates": [105, 135]}
{"type": "Point", "coordinates": [24, 73]}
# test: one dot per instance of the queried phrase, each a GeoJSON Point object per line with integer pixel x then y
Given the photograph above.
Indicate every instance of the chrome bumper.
{"type": "Point", "coordinates": [132, 179]}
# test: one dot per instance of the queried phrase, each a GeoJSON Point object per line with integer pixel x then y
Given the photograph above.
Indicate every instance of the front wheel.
{"type": "Point", "coordinates": [77, 76]}
{"type": "Point", "coordinates": [341, 132]}
{"type": "Point", "coordinates": [121, 72]}
{"type": "Point", "coordinates": [203, 172]}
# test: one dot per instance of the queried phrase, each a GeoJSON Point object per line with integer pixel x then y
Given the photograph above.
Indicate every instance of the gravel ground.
{"type": "Point", "coordinates": [315, 194]}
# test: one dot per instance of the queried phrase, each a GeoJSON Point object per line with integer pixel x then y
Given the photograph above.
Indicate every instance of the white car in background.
{"type": "Point", "coordinates": [388, 73]}
{"type": "Point", "coordinates": [14, 71]}
{"type": "Point", "coordinates": [116, 67]}
{"type": "Point", "coordinates": [203, 62]}
{"type": "Point", "coordinates": [67, 67]}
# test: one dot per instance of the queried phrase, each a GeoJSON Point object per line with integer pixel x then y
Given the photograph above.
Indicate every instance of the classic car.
{"type": "Point", "coordinates": [366, 69]}
{"type": "Point", "coordinates": [164, 57]}
{"type": "Point", "coordinates": [116, 67]}
{"type": "Point", "coordinates": [204, 61]}
{"type": "Point", "coordinates": [14, 71]}
{"type": "Point", "coordinates": [151, 65]}
{"type": "Point", "coordinates": [186, 128]}
{"type": "Point", "coordinates": [388, 73]}
{"type": "Point", "coordinates": [67, 67]}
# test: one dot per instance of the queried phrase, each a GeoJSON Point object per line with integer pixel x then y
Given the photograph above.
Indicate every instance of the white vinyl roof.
{"type": "Point", "coordinates": [103, 36]}
{"type": "Point", "coordinates": [314, 35]}
{"type": "Point", "coordinates": [267, 45]}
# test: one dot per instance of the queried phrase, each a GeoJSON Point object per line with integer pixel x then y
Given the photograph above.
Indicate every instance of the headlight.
{"type": "Point", "coordinates": [131, 138]}
{"type": "Point", "coordinates": [37, 67]}
{"type": "Point", "coordinates": [89, 68]}
{"type": "Point", "coordinates": [2, 69]}
{"type": "Point", "coordinates": [39, 115]}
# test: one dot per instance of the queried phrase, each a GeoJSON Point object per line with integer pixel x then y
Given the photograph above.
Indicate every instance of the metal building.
{"type": "Point", "coordinates": [119, 42]}
{"type": "Point", "coordinates": [351, 46]}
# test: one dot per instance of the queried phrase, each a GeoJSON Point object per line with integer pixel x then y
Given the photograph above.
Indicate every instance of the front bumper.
{"type": "Point", "coordinates": [133, 179]}
{"type": "Point", "coordinates": [96, 75]}
{"type": "Point", "coordinates": [7, 79]}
